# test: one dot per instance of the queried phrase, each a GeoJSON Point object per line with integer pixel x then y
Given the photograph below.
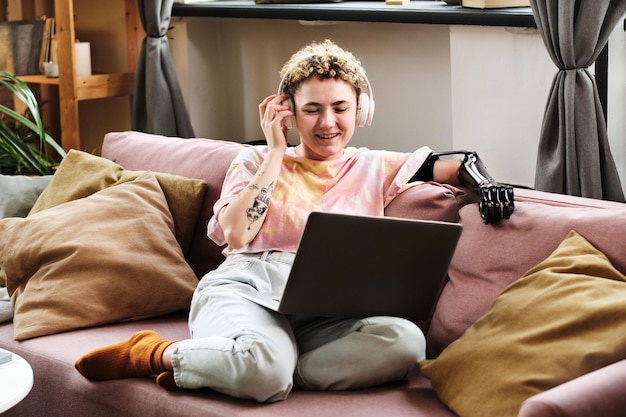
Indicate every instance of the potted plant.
{"type": "Point", "coordinates": [24, 142]}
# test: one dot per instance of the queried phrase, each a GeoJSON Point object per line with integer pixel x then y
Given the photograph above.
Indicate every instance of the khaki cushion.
{"type": "Point", "coordinates": [81, 174]}
{"type": "Point", "coordinates": [564, 318]}
{"type": "Point", "coordinates": [105, 258]}
{"type": "Point", "coordinates": [206, 159]}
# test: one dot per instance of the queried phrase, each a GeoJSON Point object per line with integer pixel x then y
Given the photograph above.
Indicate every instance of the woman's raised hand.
{"type": "Point", "coordinates": [274, 114]}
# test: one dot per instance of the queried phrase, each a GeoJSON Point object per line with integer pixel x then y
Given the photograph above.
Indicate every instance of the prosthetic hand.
{"type": "Point", "coordinates": [496, 199]}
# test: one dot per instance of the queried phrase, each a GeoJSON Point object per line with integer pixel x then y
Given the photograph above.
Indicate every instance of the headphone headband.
{"type": "Point", "coordinates": [365, 112]}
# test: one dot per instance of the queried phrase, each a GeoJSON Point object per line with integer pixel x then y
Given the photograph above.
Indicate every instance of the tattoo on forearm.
{"type": "Point", "coordinates": [261, 203]}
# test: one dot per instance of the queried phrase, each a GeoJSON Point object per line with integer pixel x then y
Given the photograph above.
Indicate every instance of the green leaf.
{"type": "Point", "coordinates": [16, 154]}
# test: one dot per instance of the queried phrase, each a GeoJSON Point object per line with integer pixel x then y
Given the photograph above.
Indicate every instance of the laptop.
{"type": "Point", "coordinates": [359, 266]}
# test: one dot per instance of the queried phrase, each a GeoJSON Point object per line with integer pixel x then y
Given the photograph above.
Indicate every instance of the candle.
{"type": "Point", "coordinates": [83, 59]}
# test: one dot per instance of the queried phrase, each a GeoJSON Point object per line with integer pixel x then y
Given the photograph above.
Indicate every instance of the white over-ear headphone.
{"type": "Point", "coordinates": [365, 112]}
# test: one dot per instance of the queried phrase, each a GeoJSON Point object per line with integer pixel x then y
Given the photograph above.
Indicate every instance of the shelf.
{"type": "Point", "coordinates": [73, 89]}
{"type": "Point", "coordinates": [427, 12]}
{"type": "Point", "coordinates": [105, 85]}
{"type": "Point", "coordinates": [93, 86]}
{"type": "Point", "coordinates": [39, 79]}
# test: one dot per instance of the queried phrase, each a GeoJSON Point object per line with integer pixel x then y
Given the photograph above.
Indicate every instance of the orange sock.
{"type": "Point", "coordinates": [138, 356]}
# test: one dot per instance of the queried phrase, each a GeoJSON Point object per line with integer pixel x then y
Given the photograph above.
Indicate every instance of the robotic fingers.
{"type": "Point", "coordinates": [496, 201]}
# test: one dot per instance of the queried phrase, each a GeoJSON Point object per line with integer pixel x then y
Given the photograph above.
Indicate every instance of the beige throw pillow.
{"type": "Point", "coordinates": [564, 318]}
{"type": "Point", "coordinates": [105, 258]}
{"type": "Point", "coordinates": [81, 174]}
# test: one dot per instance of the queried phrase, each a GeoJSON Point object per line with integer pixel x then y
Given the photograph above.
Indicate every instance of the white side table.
{"type": "Point", "coordinates": [16, 380]}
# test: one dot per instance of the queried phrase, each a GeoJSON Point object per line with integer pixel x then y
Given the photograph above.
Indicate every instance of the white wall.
{"type": "Point", "coordinates": [448, 87]}
{"type": "Point", "coordinates": [500, 83]}
{"type": "Point", "coordinates": [233, 64]}
{"type": "Point", "coordinates": [617, 99]}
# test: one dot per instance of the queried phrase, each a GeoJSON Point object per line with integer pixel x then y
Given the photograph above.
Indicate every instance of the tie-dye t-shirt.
{"type": "Point", "coordinates": [361, 182]}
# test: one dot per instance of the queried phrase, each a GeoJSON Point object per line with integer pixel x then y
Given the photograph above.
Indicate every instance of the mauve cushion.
{"type": "Point", "coordinates": [598, 393]}
{"type": "Point", "coordinates": [206, 159]}
{"type": "Point", "coordinates": [490, 257]}
{"type": "Point", "coordinates": [429, 201]}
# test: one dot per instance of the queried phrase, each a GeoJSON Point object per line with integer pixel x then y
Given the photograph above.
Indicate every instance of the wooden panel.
{"type": "Point", "coordinates": [134, 34]}
{"type": "Point", "coordinates": [68, 101]}
{"type": "Point", "coordinates": [105, 85]}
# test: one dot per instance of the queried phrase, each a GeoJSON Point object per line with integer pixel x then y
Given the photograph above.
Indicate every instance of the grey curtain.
{"type": "Point", "coordinates": [574, 156]}
{"type": "Point", "coordinates": [158, 105]}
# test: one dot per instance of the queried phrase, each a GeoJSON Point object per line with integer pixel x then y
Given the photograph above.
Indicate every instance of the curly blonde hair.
{"type": "Point", "coordinates": [323, 60]}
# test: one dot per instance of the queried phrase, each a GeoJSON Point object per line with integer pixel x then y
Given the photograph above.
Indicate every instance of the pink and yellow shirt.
{"type": "Point", "coordinates": [361, 182]}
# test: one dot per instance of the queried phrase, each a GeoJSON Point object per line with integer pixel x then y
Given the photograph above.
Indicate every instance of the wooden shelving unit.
{"type": "Point", "coordinates": [73, 89]}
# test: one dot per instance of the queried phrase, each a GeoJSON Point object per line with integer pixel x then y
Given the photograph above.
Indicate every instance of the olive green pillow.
{"type": "Point", "coordinates": [81, 174]}
{"type": "Point", "coordinates": [564, 318]}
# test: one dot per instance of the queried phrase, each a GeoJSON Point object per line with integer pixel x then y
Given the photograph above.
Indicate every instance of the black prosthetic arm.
{"type": "Point", "coordinates": [496, 199]}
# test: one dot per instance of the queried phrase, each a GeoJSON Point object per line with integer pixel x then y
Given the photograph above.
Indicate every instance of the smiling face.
{"type": "Point", "coordinates": [325, 117]}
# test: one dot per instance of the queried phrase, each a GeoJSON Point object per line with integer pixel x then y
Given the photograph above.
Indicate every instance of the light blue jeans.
{"type": "Point", "coordinates": [247, 351]}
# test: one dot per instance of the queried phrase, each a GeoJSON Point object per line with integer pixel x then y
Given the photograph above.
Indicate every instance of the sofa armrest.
{"type": "Point", "coordinates": [598, 393]}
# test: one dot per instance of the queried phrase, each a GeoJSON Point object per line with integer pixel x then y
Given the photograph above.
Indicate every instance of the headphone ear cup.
{"type": "Point", "coordinates": [370, 114]}
{"type": "Point", "coordinates": [365, 112]}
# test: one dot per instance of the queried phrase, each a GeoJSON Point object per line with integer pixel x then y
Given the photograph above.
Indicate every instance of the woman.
{"type": "Point", "coordinates": [240, 348]}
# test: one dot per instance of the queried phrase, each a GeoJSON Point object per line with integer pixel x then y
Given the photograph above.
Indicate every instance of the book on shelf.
{"type": "Point", "coordinates": [492, 4]}
{"type": "Point", "coordinates": [48, 44]}
{"type": "Point", "coordinates": [194, 1]}
{"type": "Point", "coordinates": [20, 41]}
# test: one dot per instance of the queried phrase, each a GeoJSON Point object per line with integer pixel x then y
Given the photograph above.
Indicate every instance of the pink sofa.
{"type": "Point", "coordinates": [487, 260]}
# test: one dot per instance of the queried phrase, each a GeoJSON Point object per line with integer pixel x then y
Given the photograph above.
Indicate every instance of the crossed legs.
{"type": "Point", "coordinates": [246, 351]}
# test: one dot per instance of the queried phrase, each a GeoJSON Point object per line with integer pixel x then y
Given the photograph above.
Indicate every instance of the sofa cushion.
{"type": "Point", "coordinates": [18, 193]}
{"type": "Point", "coordinates": [60, 391]}
{"type": "Point", "coordinates": [490, 257]}
{"type": "Point", "coordinates": [108, 257]}
{"type": "Point", "coordinates": [81, 174]}
{"type": "Point", "coordinates": [563, 319]}
{"type": "Point", "coordinates": [429, 201]}
{"type": "Point", "coordinates": [205, 159]}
